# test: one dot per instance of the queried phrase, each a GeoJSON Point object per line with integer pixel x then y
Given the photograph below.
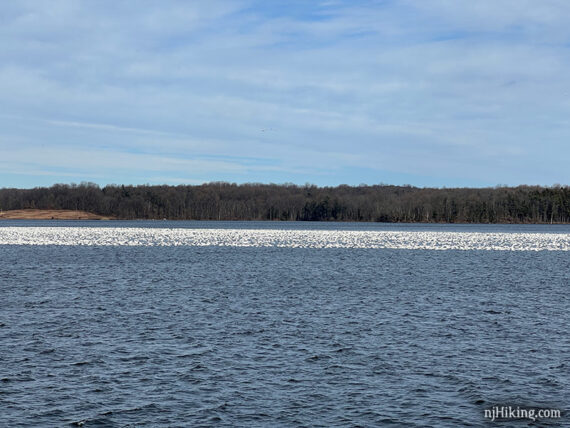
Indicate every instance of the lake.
{"type": "Point", "coordinates": [281, 324]}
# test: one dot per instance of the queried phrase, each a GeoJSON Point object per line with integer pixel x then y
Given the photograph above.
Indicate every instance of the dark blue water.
{"type": "Point", "coordinates": [201, 336]}
{"type": "Point", "coordinates": [298, 225]}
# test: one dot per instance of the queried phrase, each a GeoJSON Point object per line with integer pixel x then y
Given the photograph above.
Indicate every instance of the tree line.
{"type": "Point", "coordinates": [229, 201]}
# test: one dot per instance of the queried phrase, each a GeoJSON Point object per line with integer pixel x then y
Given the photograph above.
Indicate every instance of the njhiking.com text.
{"type": "Point", "coordinates": [502, 413]}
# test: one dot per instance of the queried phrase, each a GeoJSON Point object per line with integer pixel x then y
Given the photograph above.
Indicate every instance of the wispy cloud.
{"type": "Point", "coordinates": [104, 127]}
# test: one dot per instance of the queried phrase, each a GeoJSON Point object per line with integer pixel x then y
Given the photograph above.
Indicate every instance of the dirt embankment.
{"type": "Point", "coordinates": [50, 215]}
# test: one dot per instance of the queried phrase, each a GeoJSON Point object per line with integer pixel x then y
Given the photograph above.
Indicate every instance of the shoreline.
{"type": "Point", "coordinates": [37, 214]}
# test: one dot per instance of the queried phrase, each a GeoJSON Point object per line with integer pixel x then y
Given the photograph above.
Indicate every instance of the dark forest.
{"type": "Point", "coordinates": [229, 201]}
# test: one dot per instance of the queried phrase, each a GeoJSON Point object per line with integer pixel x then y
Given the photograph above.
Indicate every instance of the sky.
{"type": "Point", "coordinates": [430, 93]}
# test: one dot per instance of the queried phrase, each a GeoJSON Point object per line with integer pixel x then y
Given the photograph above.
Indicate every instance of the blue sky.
{"type": "Point", "coordinates": [428, 93]}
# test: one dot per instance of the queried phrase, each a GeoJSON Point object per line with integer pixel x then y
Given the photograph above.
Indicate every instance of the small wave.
{"type": "Point", "coordinates": [81, 363]}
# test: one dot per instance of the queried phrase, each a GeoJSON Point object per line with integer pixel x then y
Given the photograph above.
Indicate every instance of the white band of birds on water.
{"type": "Point", "coordinates": [408, 240]}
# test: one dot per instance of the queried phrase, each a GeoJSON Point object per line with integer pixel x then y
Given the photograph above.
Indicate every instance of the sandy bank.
{"type": "Point", "coordinates": [50, 215]}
